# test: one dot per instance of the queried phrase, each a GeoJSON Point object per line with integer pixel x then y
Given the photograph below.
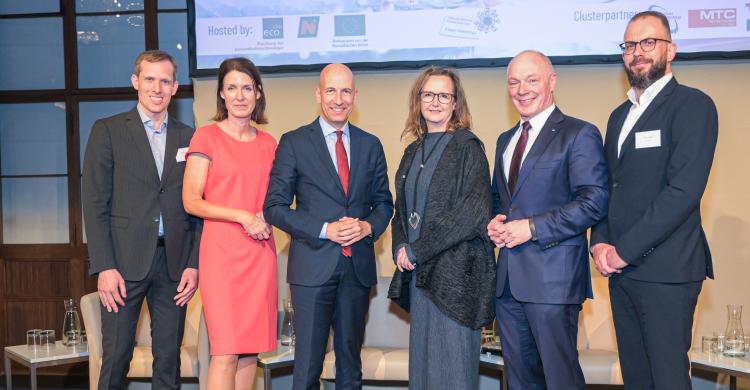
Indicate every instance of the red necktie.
{"type": "Point", "coordinates": [343, 164]}
{"type": "Point", "coordinates": [515, 162]}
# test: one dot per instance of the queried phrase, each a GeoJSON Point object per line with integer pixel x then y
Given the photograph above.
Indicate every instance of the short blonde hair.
{"type": "Point", "coordinates": [154, 56]}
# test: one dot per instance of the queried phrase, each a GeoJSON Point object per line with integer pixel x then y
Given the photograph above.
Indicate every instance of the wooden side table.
{"type": "Point", "coordinates": [42, 357]}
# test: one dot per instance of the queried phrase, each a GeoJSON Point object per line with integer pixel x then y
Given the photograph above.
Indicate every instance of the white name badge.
{"type": "Point", "coordinates": [648, 139]}
{"type": "Point", "coordinates": [181, 152]}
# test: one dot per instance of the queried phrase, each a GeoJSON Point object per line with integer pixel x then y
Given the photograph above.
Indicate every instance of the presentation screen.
{"type": "Point", "coordinates": [293, 35]}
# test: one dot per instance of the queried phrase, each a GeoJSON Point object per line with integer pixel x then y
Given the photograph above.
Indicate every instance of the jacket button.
{"type": "Point", "coordinates": [156, 219]}
{"type": "Point", "coordinates": [161, 190]}
{"type": "Point", "coordinates": [615, 185]}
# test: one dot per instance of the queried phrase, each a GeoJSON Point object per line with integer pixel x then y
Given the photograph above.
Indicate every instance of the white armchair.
{"type": "Point", "coordinates": [385, 353]}
{"type": "Point", "coordinates": [194, 355]}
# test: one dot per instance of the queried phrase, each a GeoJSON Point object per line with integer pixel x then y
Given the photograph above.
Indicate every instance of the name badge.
{"type": "Point", "coordinates": [181, 153]}
{"type": "Point", "coordinates": [648, 139]}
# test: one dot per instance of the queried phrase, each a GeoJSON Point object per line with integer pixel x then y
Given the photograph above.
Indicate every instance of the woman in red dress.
{"type": "Point", "coordinates": [226, 179]}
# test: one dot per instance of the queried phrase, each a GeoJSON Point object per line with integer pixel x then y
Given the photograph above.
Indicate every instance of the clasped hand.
{"type": "Point", "coordinates": [606, 259]}
{"type": "Point", "coordinates": [508, 234]}
{"type": "Point", "coordinates": [347, 230]}
{"type": "Point", "coordinates": [255, 225]}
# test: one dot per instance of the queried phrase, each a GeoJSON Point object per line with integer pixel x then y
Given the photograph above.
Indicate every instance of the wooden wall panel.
{"type": "Point", "coordinates": [32, 291]}
{"type": "Point", "coordinates": [37, 278]}
{"type": "Point", "coordinates": [23, 315]}
{"type": "Point", "coordinates": [3, 317]}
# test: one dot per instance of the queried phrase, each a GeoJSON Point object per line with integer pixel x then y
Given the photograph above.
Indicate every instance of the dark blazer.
{"type": "Point", "coordinates": [562, 187]}
{"type": "Point", "coordinates": [654, 212]}
{"type": "Point", "coordinates": [303, 172]}
{"type": "Point", "coordinates": [123, 196]}
{"type": "Point", "coordinates": [456, 258]}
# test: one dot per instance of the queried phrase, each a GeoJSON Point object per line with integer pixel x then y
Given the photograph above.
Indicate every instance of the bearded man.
{"type": "Point", "coordinates": [659, 146]}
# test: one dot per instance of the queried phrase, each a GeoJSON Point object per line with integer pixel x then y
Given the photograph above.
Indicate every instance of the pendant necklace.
{"type": "Point", "coordinates": [414, 217]}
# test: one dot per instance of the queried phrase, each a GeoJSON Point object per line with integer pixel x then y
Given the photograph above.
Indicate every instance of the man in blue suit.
{"type": "Point", "coordinates": [549, 186]}
{"type": "Point", "coordinates": [337, 175]}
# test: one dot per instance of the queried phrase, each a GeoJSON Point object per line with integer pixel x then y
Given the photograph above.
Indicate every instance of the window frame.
{"type": "Point", "coordinates": [72, 95]}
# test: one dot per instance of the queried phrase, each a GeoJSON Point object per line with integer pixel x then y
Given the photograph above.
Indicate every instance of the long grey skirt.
{"type": "Point", "coordinates": [442, 353]}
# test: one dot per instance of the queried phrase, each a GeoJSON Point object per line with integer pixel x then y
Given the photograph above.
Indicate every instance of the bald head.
{"type": "Point", "coordinates": [336, 94]}
{"type": "Point", "coordinates": [535, 58]}
{"type": "Point", "coordinates": [531, 81]}
{"type": "Point", "coordinates": [338, 71]}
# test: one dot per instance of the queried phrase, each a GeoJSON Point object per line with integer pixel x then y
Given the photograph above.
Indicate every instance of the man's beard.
{"type": "Point", "coordinates": [642, 81]}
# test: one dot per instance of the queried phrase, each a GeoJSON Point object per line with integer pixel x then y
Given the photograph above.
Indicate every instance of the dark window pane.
{"type": "Point", "coordinates": [107, 48]}
{"type": "Point", "coordinates": [32, 139]}
{"type": "Point", "coordinates": [90, 112]}
{"type": "Point", "coordinates": [173, 38]}
{"type": "Point", "coordinates": [32, 54]}
{"type": "Point", "coordinates": [35, 210]}
{"type": "Point", "coordinates": [172, 4]}
{"type": "Point", "coordinates": [108, 5]}
{"type": "Point", "coordinates": [9, 7]}
{"type": "Point", "coordinates": [182, 109]}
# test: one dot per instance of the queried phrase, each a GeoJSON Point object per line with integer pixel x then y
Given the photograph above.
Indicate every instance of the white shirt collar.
{"type": "Point", "coordinates": [650, 93]}
{"type": "Point", "coordinates": [328, 129]}
{"type": "Point", "coordinates": [538, 120]}
{"type": "Point", "coordinates": [148, 122]}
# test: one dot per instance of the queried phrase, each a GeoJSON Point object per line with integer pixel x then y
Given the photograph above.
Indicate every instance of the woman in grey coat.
{"type": "Point", "coordinates": [445, 260]}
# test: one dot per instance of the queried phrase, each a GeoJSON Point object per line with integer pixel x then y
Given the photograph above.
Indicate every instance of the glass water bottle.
{"type": "Point", "coordinates": [287, 326]}
{"type": "Point", "coordinates": [71, 330]}
{"type": "Point", "coordinates": [734, 342]}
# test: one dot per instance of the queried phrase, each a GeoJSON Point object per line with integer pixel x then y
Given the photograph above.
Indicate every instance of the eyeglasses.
{"type": "Point", "coordinates": [443, 97]}
{"type": "Point", "coordinates": [647, 44]}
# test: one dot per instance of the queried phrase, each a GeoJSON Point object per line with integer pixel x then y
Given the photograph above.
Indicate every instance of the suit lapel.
{"type": "Point", "coordinates": [355, 157]}
{"type": "Point", "coordinates": [140, 139]}
{"type": "Point", "coordinates": [502, 144]}
{"type": "Point", "coordinates": [170, 150]}
{"type": "Point", "coordinates": [319, 144]}
{"type": "Point", "coordinates": [660, 98]}
{"type": "Point", "coordinates": [546, 135]}
{"type": "Point", "coordinates": [612, 139]}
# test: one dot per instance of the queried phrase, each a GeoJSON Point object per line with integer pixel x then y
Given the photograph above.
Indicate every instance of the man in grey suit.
{"type": "Point", "coordinates": [142, 243]}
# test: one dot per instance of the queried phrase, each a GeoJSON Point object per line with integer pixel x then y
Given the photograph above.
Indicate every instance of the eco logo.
{"type": "Point", "coordinates": [273, 28]}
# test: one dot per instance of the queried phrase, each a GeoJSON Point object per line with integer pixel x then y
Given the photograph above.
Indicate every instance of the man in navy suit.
{"type": "Point", "coordinates": [549, 186]}
{"type": "Point", "coordinates": [660, 145]}
{"type": "Point", "coordinates": [337, 174]}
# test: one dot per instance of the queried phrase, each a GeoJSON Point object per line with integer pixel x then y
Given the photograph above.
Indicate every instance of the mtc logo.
{"type": "Point", "coordinates": [719, 14]}
{"type": "Point", "coordinates": [273, 28]}
{"type": "Point", "coordinates": [719, 17]}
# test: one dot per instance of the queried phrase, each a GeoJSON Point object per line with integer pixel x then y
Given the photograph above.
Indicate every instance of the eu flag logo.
{"type": "Point", "coordinates": [349, 25]}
